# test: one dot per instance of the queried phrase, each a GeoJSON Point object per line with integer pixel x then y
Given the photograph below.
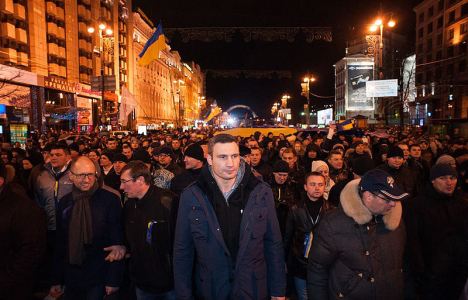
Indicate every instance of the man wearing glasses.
{"type": "Point", "coordinates": [149, 220]}
{"type": "Point", "coordinates": [357, 251]}
{"type": "Point", "coordinates": [88, 226]}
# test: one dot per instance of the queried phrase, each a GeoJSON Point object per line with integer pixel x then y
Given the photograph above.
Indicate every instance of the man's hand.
{"type": "Point", "coordinates": [111, 289]}
{"type": "Point", "coordinates": [117, 252]}
{"type": "Point", "coordinates": [55, 291]}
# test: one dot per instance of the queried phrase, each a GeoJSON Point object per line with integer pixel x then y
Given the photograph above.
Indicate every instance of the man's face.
{"type": "Point", "coordinates": [127, 152]}
{"type": "Point", "coordinates": [225, 160]}
{"type": "Point", "coordinates": [93, 156]}
{"type": "Point", "coordinates": [134, 145]}
{"type": "Point", "coordinates": [376, 204]}
{"type": "Point", "coordinates": [336, 161]}
{"type": "Point", "coordinates": [112, 145]}
{"type": "Point", "coordinates": [255, 157]}
{"type": "Point", "coordinates": [290, 158]}
{"type": "Point", "coordinates": [319, 141]}
{"type": "Point", "coordinates": [360, 148]}
{"type": "Point", "coordinates": [280, 177]}
{"type": "Point", "coordinates": [415, 152]}
{"type": "Point", "coordinates": [298, 147]}
{"type": "Point", "coordinates": [175, 144]}
{"type": "Point", "coordinates": [104, 161]}
{"type": "Point", "coordinates": [252, 144]}
{"type": "Point", "coordinates": [315, 187]}
{"type": "Point", "coordinates": [424, 146]}
{"type": "Point", "coordinates": [58, 158]}
{"type": "Point", "coordinates": [129, 185]}
{"type": "Point", "coordinates": [406, 152]}
{"type": "Point", "coordinates": [83, 175]}
{"type": "Point", "coordinates": [395, 162]}
{"type": "Point", "coordinates": [118, 166]}
{"type": "Point", "coordinates": [164, 159]}
{"type": "Point", "coordinates": [445, 184]}
{"type": "Point", "coordinates": [191, 163]}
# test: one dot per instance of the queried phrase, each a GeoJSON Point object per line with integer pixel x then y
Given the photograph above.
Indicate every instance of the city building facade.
{"type": "Point", "coordinates": [441, 62]}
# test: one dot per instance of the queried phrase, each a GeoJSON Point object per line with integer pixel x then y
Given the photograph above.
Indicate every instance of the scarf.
{"type": "Point", "coordinates": [80, 232]}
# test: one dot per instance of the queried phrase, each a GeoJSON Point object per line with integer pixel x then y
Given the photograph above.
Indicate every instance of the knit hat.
{"type": "Point", "coordinates": [362, 165]}
{"type": "Point", "coordinates": [243, 150]}
{"type": "Point", "coordinates": [395, 151]}
{"type": "Point", "coordinates": [439, 170]}
{"type": "Point", "coordinates": [195, 151]}
{"type": "Point", "coordinates": [317, 164]}
{"type": "Point", "coordinates": [142, 155]}
{"type": "Point", "coordinates": [166, 151]}
{"type": "Point", "coordinates": [120, 157]}
{"type": "Point", "coordinates": [446, 159]}
{"type": "Point", "coordinates": [281, 167]}
{"type": "Point", "coordinates": [109, 155]}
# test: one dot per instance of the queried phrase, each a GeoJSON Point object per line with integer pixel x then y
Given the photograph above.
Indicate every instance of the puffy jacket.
{"type": "Point", "coordinates": [356, 255]}
{"type": "Point", "coordinates": [50, 187]}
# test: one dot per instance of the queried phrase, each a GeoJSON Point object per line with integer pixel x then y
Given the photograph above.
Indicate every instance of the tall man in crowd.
{"type": "Point", "coordinates": [194, 160]}
{"type": "Point", "coordinates": [149, 218]}
{"type": "Point", "coordinates": [358, 249]}
{"type": "Point", "coordinates": [227, 229]}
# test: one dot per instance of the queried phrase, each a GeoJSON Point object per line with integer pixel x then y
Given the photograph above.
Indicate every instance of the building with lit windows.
{"type": "Point", "coordinates": [441, 62]}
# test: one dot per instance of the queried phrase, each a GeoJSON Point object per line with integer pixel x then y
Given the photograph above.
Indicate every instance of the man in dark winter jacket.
{"type": "Point", "coordinates": [149, 220]}
{"type": "Point", "coordinates": [357, 252]}
{"type": "Point", "coordinates": [228, 231]}
{"type": "Point", "coordinates": [258, 164]}
{"type": "Point", "coordinates": [437, 224]}
{"type": "Point", "coordinates": [22, 240]}
{"type": "Point", "coordinates": [88, 226]}
{"type": "Point", "coordinates": [194, 159]}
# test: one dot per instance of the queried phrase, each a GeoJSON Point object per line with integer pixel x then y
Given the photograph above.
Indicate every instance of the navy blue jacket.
{"type": "Point", "coordinates": [260, 268]}
{"type": "Point", "coordinates": [106, 210]}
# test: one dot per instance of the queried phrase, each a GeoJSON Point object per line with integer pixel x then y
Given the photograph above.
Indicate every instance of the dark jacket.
{"type": "Point", "coordinates": [22, 242]}
{"type": "Point", "coordinates": [112, 179]}
{"type": "Point", "coordinates": [151, 248]}
{"type": "Point", "coordinates": [355, 255]}
{"type": "Point", "coordinates": [285, 196]}
{"type": "Point", "coordinates": [404, 178]}
{"type": "Point", "coordinates": [264, 169]}
{"type": "Point", "coordinates": [300, 223]}
{"type": "Point", "coordinates": [106, 213]}
{"type": "Point", "coordinates": [259, 270]}
{"type": "Point", "coordinates": [438, 243]}
{"type": "Point", "coordinates": [183, 180]}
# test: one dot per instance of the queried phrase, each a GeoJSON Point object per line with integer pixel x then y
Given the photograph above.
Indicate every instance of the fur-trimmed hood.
{"type": "Point", "coordinates": [354, 208]}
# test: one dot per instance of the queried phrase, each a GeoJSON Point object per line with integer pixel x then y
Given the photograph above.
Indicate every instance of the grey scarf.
{"type": "Point", "coordinates": [80, 232]}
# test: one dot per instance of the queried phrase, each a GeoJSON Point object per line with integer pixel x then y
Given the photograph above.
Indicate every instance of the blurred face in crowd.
{"type": "Point", "coordinates": [127, 152]}
{"type": "Point", "coordinates": [415, 152]}
{"type": "Point", "coordinates": [318, 141]}
{"type": "Point", "coordinates": [104, 161]}
{"type": "Point", "coordinates": [192, 163]}
{"type": "Point", "coordinates": [111, 144]}
{"type": "Point", "coordinates": [118, 166]}
{"type": "Point", "coordinates": [312, 154]}
{"type": "Point", "coordinates": [246, 158]}
{"type": "Point", "coordinates": [281, 151]}
{"type": "Point", "coordinates": [83, 174]}
{"type": "Point", "coordinates": [252, 144]}
{"type": "Point", "coordinates": [134, 144]}
{"type": "Point", "coordinates": [405, 149]}
{"type": "Point", "coordinates": [27, 165]}
{"type": "Point", "coordinates": [423, 146]}
{"type": "Point", "coordinates": [133, 187]}
{"type": "Point", "coordinates": [298, 147]}
{"type": "Point", "coordinates": [58, 158]}
{"type": "Point", "coordinates": [224, 161]}
{"type": "Point", "coordinates": [336, 161]}
{"type": "Point", "coordinates": [395, 162]}
{"type": "Point", "coordinates": [164, 159]}
{"type": "Point", "coordinates": [377, 205]}
{"type": "Point", "coordinates": [175, 144]}
{"type": "Point", "coordinates": [74, 154]}
{"type": "Point", "coordinates": [93, 156]}
{"type": "Point", "coordinates": [290, 158]}
{"type": "Point", "coordinates": [5, 158]}
{"type": "Point", "coordinates": [314, 187]}
{"type": "Point", "coordinates": [360, 148]}
{"type": "Point", "coordinates": [324, 171]}
{"type": "Point", "coordinates": [255, 157]}
{"type": "Point", "coordinates": [445, 184]}
{"type": "Point", "coordinates": [280, 177]}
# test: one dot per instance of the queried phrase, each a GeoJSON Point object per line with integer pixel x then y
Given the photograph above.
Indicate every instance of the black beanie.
{"type": "Point", "coordinates": [195, 151]}
{"type": "Point", "coordinates": [395, 151]}
{"type": "Point", "coordinates": [361, 165]}
{"type": "Point", "coordinates": [109, 155]}
{"type": "Point", "coordinates": [243, 150]}
{"type": "Point", "coordinates": [440, 170]}
{"type": "Point", "coordinates": [281, 167]}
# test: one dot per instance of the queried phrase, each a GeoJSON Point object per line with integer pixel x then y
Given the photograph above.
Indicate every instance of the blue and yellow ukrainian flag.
{"type": "Point", "coordinates": [346, 125]}
{"type": "Point", "coordinates": [156, 43]}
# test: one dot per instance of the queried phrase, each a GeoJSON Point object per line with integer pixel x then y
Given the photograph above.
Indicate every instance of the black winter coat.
{"type": "Point", "coordinates": [356, 255]}
{"type": "Point", "coordinates": [183, 180]}
{"type": "Point", "coordinates": [438, 243]}
{"type": "Point", "coordinates": [22, 242]}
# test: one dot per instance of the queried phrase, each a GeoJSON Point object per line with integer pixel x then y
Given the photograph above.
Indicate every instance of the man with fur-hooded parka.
{"type": "Point", "coordinates": [358, 248]}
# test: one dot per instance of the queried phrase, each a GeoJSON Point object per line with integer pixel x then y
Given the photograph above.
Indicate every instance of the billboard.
{"type": "Point", "coordinates": [359, 73]}
{"type": "Point", "coordinates": [382, 88]}
{"type": "Point", "coordinates": [324, 116]}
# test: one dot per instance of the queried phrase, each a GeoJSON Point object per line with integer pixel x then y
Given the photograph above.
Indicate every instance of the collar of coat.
{"type": "Point", "coordinates": [354, 208]}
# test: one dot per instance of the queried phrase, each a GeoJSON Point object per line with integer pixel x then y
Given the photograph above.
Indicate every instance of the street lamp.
{"type": "Point", "coordinates": [105, 32]}
{"type": "Point", "coordinates": [305, 85]}
{"type": "Point", "coordinates": [378, 25]}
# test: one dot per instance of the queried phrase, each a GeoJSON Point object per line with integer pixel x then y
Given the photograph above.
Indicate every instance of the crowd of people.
{"type": "Point", "coordinates": [193, 215]}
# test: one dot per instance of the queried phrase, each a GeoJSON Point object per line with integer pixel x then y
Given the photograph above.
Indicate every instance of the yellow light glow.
{"type": "Point", "coordinates": [373, 28]}
{"type": "Point", "coordinates": [91, 29]}
{"type": "Point", "coordinates": [102, 26]}
{"type": "Point", "coordinates": [306, 79]}
{"type": "Point", "coordinates": [109, 31]}
{"type": "Point", "coordinates": [378, 22]}
{"type": "Point", "coordinates": [391, 23]}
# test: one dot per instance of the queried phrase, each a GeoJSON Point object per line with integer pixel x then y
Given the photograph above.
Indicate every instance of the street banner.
{"type": "Point", "coordinates": [127, 105]}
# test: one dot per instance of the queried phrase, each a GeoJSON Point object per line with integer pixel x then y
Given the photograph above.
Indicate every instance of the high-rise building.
{"type": "Point", "coordinates": [441, 59]}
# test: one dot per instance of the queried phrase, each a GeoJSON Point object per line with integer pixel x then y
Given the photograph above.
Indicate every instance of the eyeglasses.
{"type": "Point", "coordinates": [84, 175]}
{"type": "Point", "coordinates": [123, 181]}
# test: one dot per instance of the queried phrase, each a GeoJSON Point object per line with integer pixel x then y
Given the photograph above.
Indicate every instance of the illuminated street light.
{"type": "Point", "coordinates": [102, 26]}
{"type": "Point", "coordinates": [109, 31]}
{"type": "Point", "coordinates": [91, 29]}
{"type": "Point", "coordinates": [378, 22]}
{"type": "Point", "coordinates": [373, 28]}
{"type": "Point", "coordinates": [391, 23]}
{"type": "Point", "coordinates": [305, 85]}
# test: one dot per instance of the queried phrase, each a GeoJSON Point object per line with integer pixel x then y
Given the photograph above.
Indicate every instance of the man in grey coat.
{"type": "Point", "coordinates": [357, 251]}
{"type": "Point", "coordinates": [228, 231]}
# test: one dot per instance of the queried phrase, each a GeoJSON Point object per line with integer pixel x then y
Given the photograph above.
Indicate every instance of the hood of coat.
{"type": "Point", "coordinates": [354, 208]}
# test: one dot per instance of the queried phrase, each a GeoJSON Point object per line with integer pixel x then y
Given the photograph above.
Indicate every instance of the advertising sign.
{"type": "Point", "coordinates": [324, 116]}
{"type": "Point", "coordinates": [359, 73]}
{"type": "Point", "coordinates": [382, 88]}
{"type": "Point", "coordinates": [84, 114]}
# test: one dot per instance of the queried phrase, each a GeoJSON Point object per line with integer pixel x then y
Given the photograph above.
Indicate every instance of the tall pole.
{"type": "Point", "coordinates": [308, 104]}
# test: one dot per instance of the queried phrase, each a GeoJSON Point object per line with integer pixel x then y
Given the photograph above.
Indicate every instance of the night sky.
{"type": "Point", "coordinates": [347, 19]}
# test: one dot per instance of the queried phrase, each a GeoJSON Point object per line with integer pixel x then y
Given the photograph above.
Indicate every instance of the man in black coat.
{"type": "Point", "coordinates": [88, 226]}
{"type": "Point", "coordinates": [438, 233]}
{"type": "Point", "coordinates": [22, 240]}
{"type": "Point", "coordinates": [357, 252]}
{"type": "Point", "coordinates": [194, 159]}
